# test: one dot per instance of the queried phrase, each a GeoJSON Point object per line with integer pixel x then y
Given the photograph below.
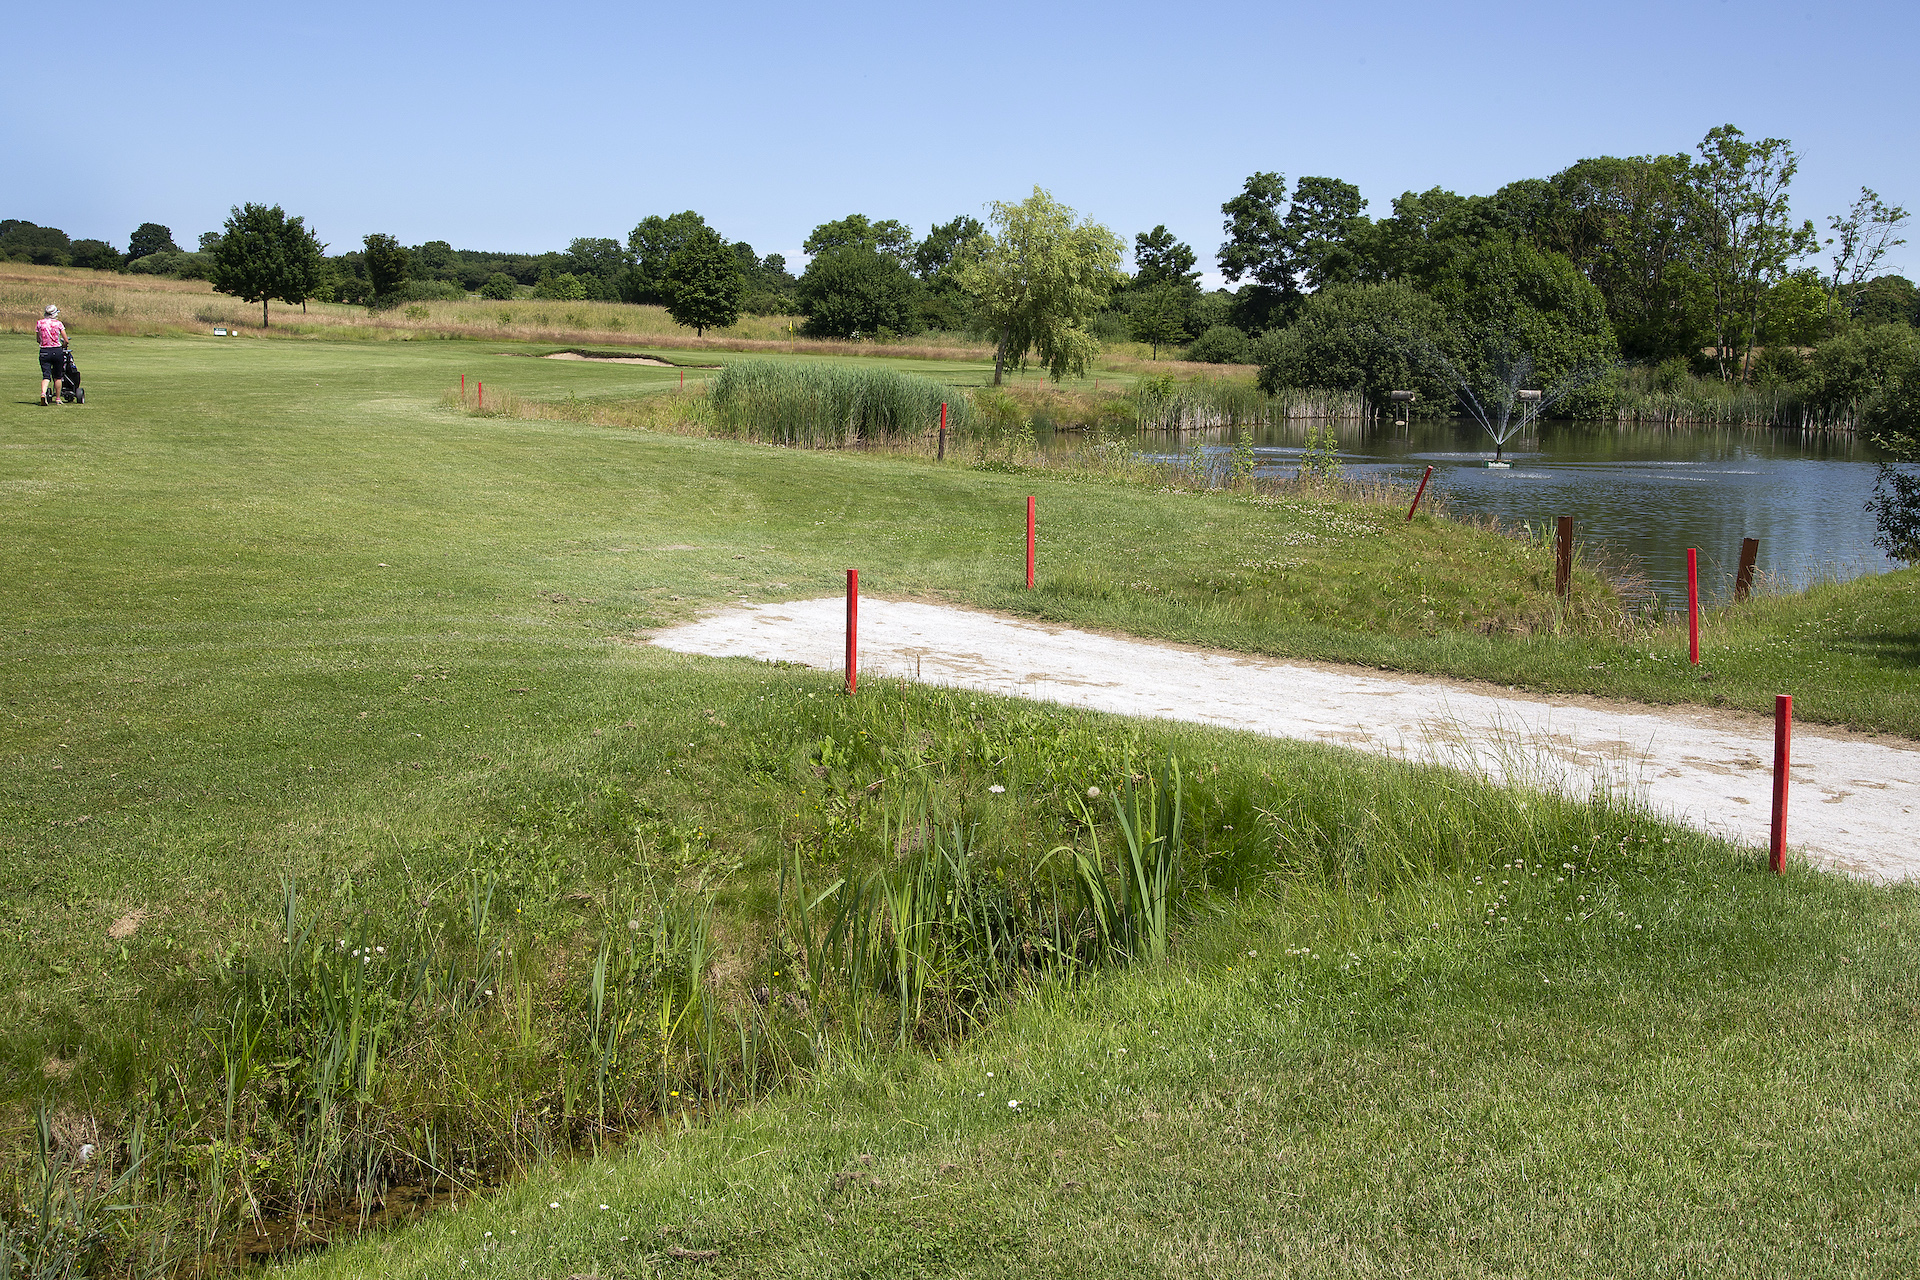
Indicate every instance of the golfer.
{"type": "Point", "coordinates": [53, 353]}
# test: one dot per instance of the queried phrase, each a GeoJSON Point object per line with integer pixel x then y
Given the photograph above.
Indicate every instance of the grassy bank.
{"type": "Point", "coordinates": [275, 615]}
{"type": "Point", "coordinates": [1712, 1074]}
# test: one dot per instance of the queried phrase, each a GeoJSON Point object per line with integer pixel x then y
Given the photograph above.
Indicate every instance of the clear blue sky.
{"type": "Point", "coordinates": [518, 127]}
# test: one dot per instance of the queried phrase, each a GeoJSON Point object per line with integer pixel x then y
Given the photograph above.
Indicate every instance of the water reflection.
{"type": "Point", "coordinates": [1646, 493]}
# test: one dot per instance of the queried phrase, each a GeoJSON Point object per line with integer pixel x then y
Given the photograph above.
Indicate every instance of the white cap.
{"type": "Point", "coordinates": [52, 310]}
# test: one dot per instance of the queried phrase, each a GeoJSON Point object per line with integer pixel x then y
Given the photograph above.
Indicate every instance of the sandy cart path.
{"type": "Point", "coordinates": [1854, 805]}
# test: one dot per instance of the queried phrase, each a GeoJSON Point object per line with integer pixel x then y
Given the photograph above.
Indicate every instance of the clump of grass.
{"type": "Point", "coordinates": [821, 405]}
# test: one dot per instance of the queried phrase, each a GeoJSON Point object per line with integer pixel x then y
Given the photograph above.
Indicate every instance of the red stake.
{"type": "Point", "coordinates": [1029, 543]}
{"type": "Point", "coordinates": [1418, 492]}
{"type": "Point", "coordinates": [480, 397]}
{"type": "Point", "coordinates": [1782, 766]}
{"type": "Point", "coordinates": [463, 389]}
{"type": "Point", "coordinates": [683, 379]}
{"type": "Point", "coordinates": [1693, 606]}
{"type": "Point", "coordinates": [943, 432]}
{"type": "Point", "coordinates": [853, 629]}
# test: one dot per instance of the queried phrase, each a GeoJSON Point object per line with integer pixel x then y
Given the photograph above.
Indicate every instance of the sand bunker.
{"type": "Point", "coordinates": [1854, 806]}
{"type": "Point", "coordinates": [600, 359]}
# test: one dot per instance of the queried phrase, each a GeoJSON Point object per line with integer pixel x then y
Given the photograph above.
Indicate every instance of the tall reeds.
{"type": "Point", "coordinates": [1203, 403]}
{"type": "Point", "coordinates": [826, 406]}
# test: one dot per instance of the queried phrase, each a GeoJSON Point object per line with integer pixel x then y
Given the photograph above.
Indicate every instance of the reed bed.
{"type": "Point", "coordinates": [826, 406]}
{"type": "Point", "coordinates": [1205, 403]}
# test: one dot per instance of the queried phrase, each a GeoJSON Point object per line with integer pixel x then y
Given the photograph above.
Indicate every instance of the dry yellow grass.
{"type": "Point", "coordinates": [99, 302]}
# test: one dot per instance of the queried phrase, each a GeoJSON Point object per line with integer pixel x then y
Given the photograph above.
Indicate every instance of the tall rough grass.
{"type": "Point", "coordinates": [821, 405]}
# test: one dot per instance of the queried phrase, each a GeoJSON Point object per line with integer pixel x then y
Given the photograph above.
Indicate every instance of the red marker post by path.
{"type": "Point", "coordinates": [943, 433]}
{"type": "Point", "coordinates": [1693, 605]}
{"type": "Point", "coordinates": [853, 629]}
{"type": "Point", "coordinates": [1782, 768]}
{"type": "Point", "coordinates": [1418, 492]}
{"type": "Point", "coordinates": [1029, 543]}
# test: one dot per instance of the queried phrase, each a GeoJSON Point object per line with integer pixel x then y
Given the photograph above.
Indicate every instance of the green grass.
{"type": "Point", "coordinates": [273, 611]}
{"type": "Point", "coordinates": [1715, 1075]}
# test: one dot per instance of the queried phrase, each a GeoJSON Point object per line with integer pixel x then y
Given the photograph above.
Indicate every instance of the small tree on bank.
{"type": "Point", "coordinates": [704, 282]}
{"type": "Point", "coordinates": [264, 254]}
{"type": "Point", "coordinates": [1038, 278]}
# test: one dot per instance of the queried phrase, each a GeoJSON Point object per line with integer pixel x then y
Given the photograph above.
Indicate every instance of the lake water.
{"type": "Point", "coordinates": [1645, 493]}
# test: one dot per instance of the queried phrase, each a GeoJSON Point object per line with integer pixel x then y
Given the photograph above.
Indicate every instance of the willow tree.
{"type": "Point", "coordinates": [1036, 278]}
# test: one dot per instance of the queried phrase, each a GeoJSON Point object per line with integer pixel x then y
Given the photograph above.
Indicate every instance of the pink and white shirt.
{"type": "Point", "coordinates": [52, 332]}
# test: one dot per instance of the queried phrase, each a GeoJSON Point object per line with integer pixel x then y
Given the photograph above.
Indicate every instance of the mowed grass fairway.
{"type": "Point", "coordinates": [274, 611]}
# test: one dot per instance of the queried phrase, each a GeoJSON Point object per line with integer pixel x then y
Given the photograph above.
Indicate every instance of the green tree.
{"type": "Point", "coordinates": [652, 244]}
{"type": "Point", "coordinates": [933, 256]}
{"type": "Point", "coordinates": [1749, 236]}
{"type": "Point", "coordinates": [1283, 246]}
{"type": "Point", "coordinates": [565, 287]}
{"type": "Point", "coordinates": [434, 260]}
{"type": "Point", "coordinates": [598, 259]}
{"type": "Point", "coordinates": [1859, 242]}
{"type": "Point", "coordinates": [1370, 338]}
{"type": "Point", "coordinates": [1159, 315]}
{"type": "Point", "coordinates": [1892, 421]}
{"type": "Point", "coordinates": [264, 254]}
{"type": "Point", "coordinates": [22, 241]}
{"type": "Point", "coordinates": [1633, 227]}
{"type": "Point", "coordinates": [1221, 344]}
{"type": "Point", "coordinates": [1159, 259]}
{"type": "Point", "coordinates": [894, 239]}
{"type": "Point", "coordinates": [1037, 278]}
{"type": "Point", "coordinates": [97, 254]}
{"type": "Point", "coordinates": [1881, 300]}
{"type": "Point", "coordinates": [1849, 373]}
{"type": "Point", "coordinates": [936, 260]}
{"type": "Point", "coordinates": [857, 289]}
{"type": "Point", "coordinates": [150, 237]}
{"type": "Point", "coordinates": [1511, 302]}
{"type": "Point", "coordinates": [386, 264]}
{"type": "Point", "coordinates": [498, 287]}
{"type": "Point", "coordinates": [704, 281]}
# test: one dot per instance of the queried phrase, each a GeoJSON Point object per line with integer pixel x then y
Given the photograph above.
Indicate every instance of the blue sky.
{"type": "Point", "coordinates": [519, 127]}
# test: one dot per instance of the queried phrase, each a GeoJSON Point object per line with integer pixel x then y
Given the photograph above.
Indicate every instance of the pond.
{"type": "Point", "coordinates": [1645, 494]}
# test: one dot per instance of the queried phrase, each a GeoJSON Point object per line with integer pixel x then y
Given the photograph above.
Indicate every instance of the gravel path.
{"type": "Point", "coordinates": [1854, 806]}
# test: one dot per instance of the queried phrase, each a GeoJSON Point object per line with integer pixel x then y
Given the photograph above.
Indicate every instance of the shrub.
{"type": "Point", "coordinates": [565, 287]}
{"type": "Point", "coordinates": [858, 291]}
{"type": "Point", "coordinates": [1222, 344]}
{"type": "Point", "coordinates": [498, 287]}
{"type": "Point", "coordinates": [432, 291]}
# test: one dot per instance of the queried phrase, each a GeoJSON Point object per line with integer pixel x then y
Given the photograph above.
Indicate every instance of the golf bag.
{"type": "Point", "coordinates": [70, 389]}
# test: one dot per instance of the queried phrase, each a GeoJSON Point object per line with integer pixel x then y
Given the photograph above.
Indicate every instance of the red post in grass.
{"type": "Point", "coordinates": [1418, 493]}
{"type": "Point", "coordinates": [853, 629]}
{"type": "Point", "coordinates": [1782, 766]}
{"type": "Point", "coordinates": [1029, 542]}
{"type": "Point", "coordinates": [683, 379]}
{"type": "Point", "coordinates": [1693, 605]}
{"type": "Point", "coordinates": [480, 397]}
{"type": "Point", "coordinates": [463, 391]}
{"type": "Point", "coordinates": [943, 432]}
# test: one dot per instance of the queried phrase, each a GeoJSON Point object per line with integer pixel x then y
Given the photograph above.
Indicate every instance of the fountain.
{"type": "Point", "coordinates": [1503, 405]}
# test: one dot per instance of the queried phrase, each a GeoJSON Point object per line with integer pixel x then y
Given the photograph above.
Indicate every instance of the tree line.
{"type": "Point", "coordinates": [1693, 261]}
